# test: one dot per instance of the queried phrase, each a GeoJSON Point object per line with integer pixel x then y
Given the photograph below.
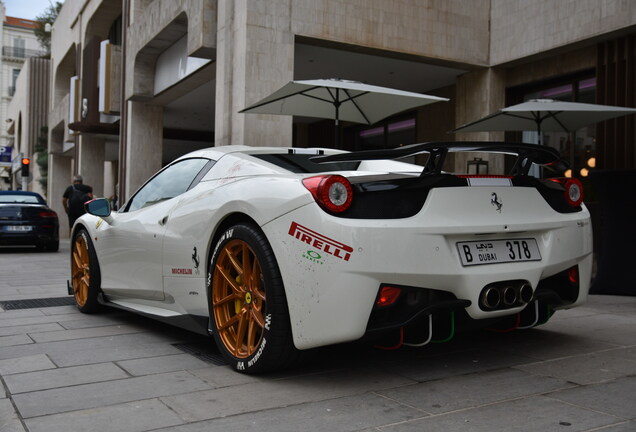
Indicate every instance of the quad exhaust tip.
{"type": "Point", "coordinates": [525, 293]}
{"type": "Point", "coordinates": [491, 298]}
{"type": "Point", "coordinates": [505, 295]}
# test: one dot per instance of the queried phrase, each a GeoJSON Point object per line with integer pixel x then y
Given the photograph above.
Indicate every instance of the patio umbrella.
{"type": "Point", "coordinates": [545, 115]}
{"type": "Point", "coordinates": [339, 100]}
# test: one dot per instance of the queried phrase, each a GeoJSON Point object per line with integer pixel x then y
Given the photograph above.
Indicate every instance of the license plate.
{"type": "Point", "coordinates": [498, 251]}
{"type": "Point", "coordinates": [19, 228]}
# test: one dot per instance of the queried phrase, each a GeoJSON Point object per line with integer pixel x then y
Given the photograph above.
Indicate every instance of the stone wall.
{"type": "Point", "coordinates": [524, 28]}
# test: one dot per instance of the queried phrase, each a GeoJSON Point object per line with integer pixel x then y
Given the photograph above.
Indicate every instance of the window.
{"type": "Point", "coordinates": [578, 148]}
{"type": "Point", "coordinates": [16, 73]}
{"type": "Point", "coordinates": [168, 183]}
{"type": "Point", "coordinates": [390, 134]}
{"type": "Point", "coordinates": [18, 47]}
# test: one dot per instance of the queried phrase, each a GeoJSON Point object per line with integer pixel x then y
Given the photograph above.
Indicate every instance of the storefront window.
{"type": "Point", "coordinates": [577, 147]}
{"type": "Point", "coordinates": [390, 134]}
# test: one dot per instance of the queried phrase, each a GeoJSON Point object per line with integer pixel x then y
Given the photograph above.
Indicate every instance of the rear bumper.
{"type": "Point", "coordinates": [333, 267]}
{"type": "Point", "coordinates": [35, 237]}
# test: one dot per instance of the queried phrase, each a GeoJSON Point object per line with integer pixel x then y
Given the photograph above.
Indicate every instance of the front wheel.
{"type": "Point", "coordinates": [248, 308]}
{"type": "Point", "coordinates": [85, 274]}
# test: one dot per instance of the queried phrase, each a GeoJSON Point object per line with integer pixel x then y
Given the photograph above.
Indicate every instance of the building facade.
{"type": "Point", "coordinates": [18, 44]}
{"type": "Point", "coordinates": [27, 130]}
{"type": "Point", "coordinates": [136, 83]}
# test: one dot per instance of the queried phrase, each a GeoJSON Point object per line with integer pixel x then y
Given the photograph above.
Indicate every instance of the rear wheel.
{"type": "Point", "coordinates": [248, 309]}
{"type": "Point", "coordinates": [86, 277]}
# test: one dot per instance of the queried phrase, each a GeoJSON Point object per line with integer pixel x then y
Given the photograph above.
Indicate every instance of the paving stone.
{"type": "Point", "coordinates": [9, 341]}
{"type": "Point", "coordinates": [621, 427]}
{"type": "Point", "coordinates": [442, 366]}
{"type": "Point", "coordinates": [20, 313]}
{"type": "Point", "coordinates": [59, 310]}
{"type": "Point", "coordinates": [341, 414]}
{"type": "Point", "coordinates": [63, 377]}
{"type": "Point", "coordinates": [162, 364]}
{"type": "Point", "coordinates": [272, 394]}
{"type": "Point", "coordinates": [615, 398]}
{"type": "Point", "coordinates": [85, 333]}
{"type": "Point", "coordinates": [130, 417]}
{"type": "Point", "coordinates": [601, 327]}
{"type": "Point", "coordinates": [95, 395]}
{"type": "Point", "coordinates": [9, 421]}
{"type": "Point", "coordinates": [83, 321]}
{"type": "Point", "coordinates": [66, 350]}
{"type": "Point", "coordinates": [223, 376]}
{"type": "Point", "coordinates": [467, 391]}
{"type": "Point", "coordinates": [587, 368]}
{"type": "Point", "coordinates": [533, 414]}
{"type": "Point", "coordinates": [25, 364]}
{"type": "Point", "coordinates": [38, 319]}
{"type": "Point", "coordinates": [118, 353]}
{"type": "Point", "coordinates": [546, 343]}
{"type": "Point", "coordinates": [32, 328]}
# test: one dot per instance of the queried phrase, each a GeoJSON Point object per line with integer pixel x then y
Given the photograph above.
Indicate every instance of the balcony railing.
{"type": "Point", "coordinates": [17, 52]}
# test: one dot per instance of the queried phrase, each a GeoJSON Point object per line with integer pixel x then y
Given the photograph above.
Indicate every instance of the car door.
{"type": "Point", "coordinates": [130, 248]}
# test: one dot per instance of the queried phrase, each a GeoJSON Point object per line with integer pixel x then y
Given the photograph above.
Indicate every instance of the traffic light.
{"type": "Point", "coordinates": [25, 167]}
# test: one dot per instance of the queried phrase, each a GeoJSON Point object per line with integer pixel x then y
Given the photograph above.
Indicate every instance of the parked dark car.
{"type": "Point", "coordinates": [25, 219]}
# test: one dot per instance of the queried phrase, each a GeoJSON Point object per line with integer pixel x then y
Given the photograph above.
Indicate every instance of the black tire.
{"type": "Point", "coordinates": [248, 309]}
{"type": "Point", "coordinates": [85, 274]}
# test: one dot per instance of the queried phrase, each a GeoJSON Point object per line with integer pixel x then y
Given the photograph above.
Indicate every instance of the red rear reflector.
{"type": "Point", "coordinates": [388, 296]}
{"type": "Point", "coordinates": [573, 274]}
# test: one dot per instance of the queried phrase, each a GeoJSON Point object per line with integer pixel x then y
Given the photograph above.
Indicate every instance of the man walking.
{"type": "Point", "coordinates": [74, 198]}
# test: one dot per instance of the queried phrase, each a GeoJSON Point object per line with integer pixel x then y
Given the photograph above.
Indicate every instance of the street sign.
{"type": "Point", "coordinates": [5, 156]}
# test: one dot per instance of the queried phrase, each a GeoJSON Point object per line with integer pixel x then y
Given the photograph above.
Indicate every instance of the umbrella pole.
{"type": "Point", "coordinates": [337, 105]}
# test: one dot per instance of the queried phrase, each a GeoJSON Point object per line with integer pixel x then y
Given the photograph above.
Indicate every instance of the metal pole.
{"type": "Point", "coordinates": [337, 104]}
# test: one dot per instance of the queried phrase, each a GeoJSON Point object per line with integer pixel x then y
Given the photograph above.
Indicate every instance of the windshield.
{"type": "Point", "coordinates": [19, 199]}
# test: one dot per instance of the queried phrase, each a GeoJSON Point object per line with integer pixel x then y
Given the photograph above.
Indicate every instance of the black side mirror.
{"type": "Point", "coordinates": [98, 207]}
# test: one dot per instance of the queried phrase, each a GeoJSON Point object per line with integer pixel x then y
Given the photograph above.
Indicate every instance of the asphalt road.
{"type": "Point", "coordinates": [65, 371]}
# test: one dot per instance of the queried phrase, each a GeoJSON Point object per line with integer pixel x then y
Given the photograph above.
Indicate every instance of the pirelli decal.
{"type": "Point", "coordinates": [320, 242]}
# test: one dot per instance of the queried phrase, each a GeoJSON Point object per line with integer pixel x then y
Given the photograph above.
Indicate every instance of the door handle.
{"type": "Point", "coordinates": [163, 220]}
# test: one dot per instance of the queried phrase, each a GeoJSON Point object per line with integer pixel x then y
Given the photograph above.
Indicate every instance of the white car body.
{"type": "Point", "coordinates": [155, 260]}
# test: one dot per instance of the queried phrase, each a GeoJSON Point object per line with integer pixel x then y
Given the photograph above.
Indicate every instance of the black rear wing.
{"type": "Point", "coordinates": [527, 154]}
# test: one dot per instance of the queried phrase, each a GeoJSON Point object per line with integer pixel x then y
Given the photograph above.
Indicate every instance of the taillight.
{"type": "Point", "coordinates": [47, 214]}
{"type": "Point", "coordinates": [573, 190]}
{"type": "Point", "coordinates": [332, 192]}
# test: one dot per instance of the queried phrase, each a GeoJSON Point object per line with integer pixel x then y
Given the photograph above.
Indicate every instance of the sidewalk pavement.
{"type": "Point", "coordinates": [65, 371]}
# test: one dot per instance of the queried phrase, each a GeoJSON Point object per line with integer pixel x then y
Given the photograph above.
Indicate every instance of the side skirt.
{"type": "Point", "coordinates": [194, 323]}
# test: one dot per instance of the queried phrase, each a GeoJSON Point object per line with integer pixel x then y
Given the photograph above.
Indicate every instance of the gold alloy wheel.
{"type": "Point", "coordinates": [238, 299]}
{"type": "Point", "coordinates": [80, 269]}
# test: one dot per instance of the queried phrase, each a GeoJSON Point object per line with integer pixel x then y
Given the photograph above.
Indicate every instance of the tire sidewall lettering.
{"type": "Point", "coordinates": [251, 361]}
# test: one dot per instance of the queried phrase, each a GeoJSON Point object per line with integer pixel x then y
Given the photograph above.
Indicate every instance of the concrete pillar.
{"type": "Point", "coordinates": [478, 94]}
{"type": "Point", "coordinates": [90, 164]}
{"type": "Point", "coordinates": [111, 168]}
{"type": "Point", "coordinates": [255, 57]}
{"type": "Point", "coordinates": [144, 141]}
{"type": "Point", "coordinates": [62, 168]}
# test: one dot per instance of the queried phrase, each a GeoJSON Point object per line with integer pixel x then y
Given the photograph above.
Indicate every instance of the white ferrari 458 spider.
{"type": "Point", "coordinates": [278, 250]}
